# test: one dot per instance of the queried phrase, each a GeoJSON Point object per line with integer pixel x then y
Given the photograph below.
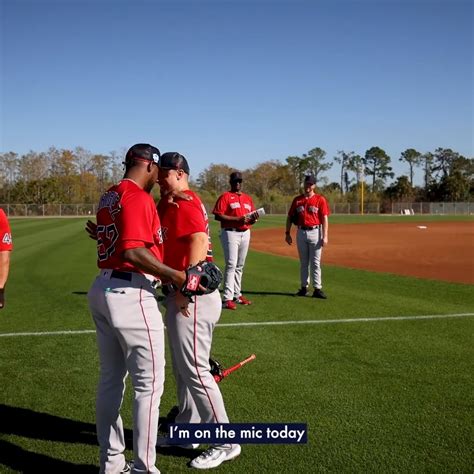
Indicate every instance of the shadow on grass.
{"type": "Point", "coordinates": [30, 424]}
{"type": "Point", "coordinates": [43, 426]}
{"type": "Point", "coordinates": [278, 293]}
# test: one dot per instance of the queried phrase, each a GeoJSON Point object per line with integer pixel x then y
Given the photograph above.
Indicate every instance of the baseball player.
{"type": "Point", "coordinates": [309, 211]}
{"type": "Point", "coordinates": [6, 247]}
{"type": "Point", "coordinates": [232, 211]}
{"type": "Point", "coordinates": [130, 333]}
{"type": "Point", "coordinates": [186, 241]}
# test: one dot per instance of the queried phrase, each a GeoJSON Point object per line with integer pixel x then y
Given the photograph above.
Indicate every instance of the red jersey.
{"type": "Point", "coordinates": [310, 211]}
{"type": "Point", "coordinates": [6, 243]}
{"type": "Point", "coordinates": [233, 204]}
{"type": "Point", "coordinates": [126, 219]}
{"type": "Point", "coordinates": [178, 223]}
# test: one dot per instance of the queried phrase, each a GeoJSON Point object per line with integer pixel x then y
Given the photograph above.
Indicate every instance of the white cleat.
{"type": "Point", "coordinates": [215, 456]}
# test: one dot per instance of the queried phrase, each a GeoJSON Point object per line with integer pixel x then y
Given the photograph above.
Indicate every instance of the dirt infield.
{"type": "Point", "coordinates": [440, 251]}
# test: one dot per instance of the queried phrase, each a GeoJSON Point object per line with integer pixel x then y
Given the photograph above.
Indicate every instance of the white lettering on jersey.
{"type": "Point", "coordinates": [300, 209]}
{"type": "Point", "coordinates": [247, 206]}
{"type": "Point", "coordinates": [235, 205]}
{"type": "Point", "coordinates": [313, 209]}
{"type": "Point", "coordinates": [7, 238]}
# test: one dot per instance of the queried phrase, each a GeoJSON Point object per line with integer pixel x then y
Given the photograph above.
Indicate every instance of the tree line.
{"type": "Point", "coordinates": [80, 176]}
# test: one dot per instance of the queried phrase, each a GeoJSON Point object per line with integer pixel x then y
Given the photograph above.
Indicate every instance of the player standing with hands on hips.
{"type": "Point", "coordinates": [233, 210]}
{"type": "Point", "coordinates": [129, 326]}
{"type": "Point", "coordinates": [6, 247]}
{"type": "Point", "coordinates": [309, 212]}
{"type": "Point", "coordinates": [186, 242]}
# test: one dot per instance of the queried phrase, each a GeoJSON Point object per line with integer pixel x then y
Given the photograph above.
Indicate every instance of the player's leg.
{"type": "Point", "coordinates": [140, 326]}
{"type": "Point", "coordinates": [188, 412]}
{"type": "Point", "coordinates": [303, 252]}
{"type": "Point", "coordinates": [243, 249]}
{"type": "Point", "coordinates": [230, 244]}
{"type": "Point", "coordinates": [316, 248]}
{"type": "Point", "coordinates": [111, 384]}
{"type": "Point", "coordinates": [193, 347]}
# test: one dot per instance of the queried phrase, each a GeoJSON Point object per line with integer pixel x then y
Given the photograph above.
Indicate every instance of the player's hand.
{"type": "Point", "coordinates": [288, 239]}
{"type": "Point", "coordinates": [91, 229]}
{"type": "Point", "coordinates": [182, 302]}
{"type": "Point", "coordinates": [2, 298]}
{"type": "Point", "coordinates": [179, 195]}
{"type": "Point", "coordinates": [325, 241]}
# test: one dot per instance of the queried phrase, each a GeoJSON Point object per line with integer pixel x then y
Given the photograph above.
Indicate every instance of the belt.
{"type": "Point", "coordinates": [128, 276]}
{"type": "Point", "coordinates": [121, 275]}
{"type": "Point", "coordinates": [168, 288]}
{"type": "Point", "coordinates": [230, 229]}
{"type": "Point", "coordinates": [304, 227]}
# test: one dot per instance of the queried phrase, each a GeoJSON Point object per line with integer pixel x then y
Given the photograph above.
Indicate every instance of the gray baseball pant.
{"type": "Point", "coordinates": [235, 246]}
{"type": "Point", "coordinates": [309, 243]}
{"type": "Point", "coordinates": [190, 338]}
{"type": "Point", "coordinates": [130, 339]}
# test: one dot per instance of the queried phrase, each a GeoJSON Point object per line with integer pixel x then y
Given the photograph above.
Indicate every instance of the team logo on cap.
{"type": "Point", "coordinates": [155, 158]}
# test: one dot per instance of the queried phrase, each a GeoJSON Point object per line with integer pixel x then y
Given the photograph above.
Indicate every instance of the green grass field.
{"type": "Point", "coordinates": [378, 395]}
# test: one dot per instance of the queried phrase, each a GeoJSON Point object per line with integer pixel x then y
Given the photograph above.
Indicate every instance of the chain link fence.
{"type": "Point", "coordinates": [440, 208]}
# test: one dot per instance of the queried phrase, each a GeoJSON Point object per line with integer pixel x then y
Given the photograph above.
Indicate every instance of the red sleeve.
{"type": "Point", "coordinates": [136, 216]}
{"type": "Point", "coordinates": [5, 233]}
{"type": "Point", "coordinates": [292, 207]}
{"type": "Point", "coordinates": [325, 207]}
{"type": "Point", "coordinates": [221, 205]}
{"type": "Point", "coordinates": [189, 218]}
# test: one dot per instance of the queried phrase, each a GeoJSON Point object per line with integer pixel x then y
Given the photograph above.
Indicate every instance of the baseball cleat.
{"type": "Point", "coordinates": [242, 300]}
{"type": "Point", "coordinates": [127, 468]}
{"type": "Point", "coordinates": [302, 291]}
{"type": "Point", "coordinates": [229, 304]}
{"type": "Point", "coordinates": [215, 456]}
{"type": "Point", "coordinates": [318, 293]}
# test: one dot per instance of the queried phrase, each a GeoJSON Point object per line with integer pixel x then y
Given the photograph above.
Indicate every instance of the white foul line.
{"type": "Point", "coordinates": [265, 323]}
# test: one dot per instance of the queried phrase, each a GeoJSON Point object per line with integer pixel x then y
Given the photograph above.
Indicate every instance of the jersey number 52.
{"type": "Point", "coordinates": [107, 235]}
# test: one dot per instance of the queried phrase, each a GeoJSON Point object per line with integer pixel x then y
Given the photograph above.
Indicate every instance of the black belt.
{"type": "Point", "coordinates": [168, 288]}
{"type": "Point", "coordinates": [304, 227]}
{"type": "Point", "coordinates": [229, 229]}
{"type": "Point", "coordinates": [121, 275]}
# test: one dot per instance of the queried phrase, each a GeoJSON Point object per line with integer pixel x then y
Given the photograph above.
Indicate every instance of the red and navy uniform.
{"type": "Point", "coordinates": [177, 224]}
{"type": "Point", "coordinates": [123, 222]}
{"type": "Point", "coordinates": [6, 243]}
{"type": "Point", "coordinates": [233, 204]}
{"type": "Point", "coordinates": [310, 211]}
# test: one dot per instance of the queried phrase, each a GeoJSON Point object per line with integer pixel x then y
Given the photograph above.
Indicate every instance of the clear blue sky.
{"type": "Point", "coordinates": [238, 82]}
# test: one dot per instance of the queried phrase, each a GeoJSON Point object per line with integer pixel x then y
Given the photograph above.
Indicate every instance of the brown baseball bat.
{"type": "Point", "coordinates": [237, 366]}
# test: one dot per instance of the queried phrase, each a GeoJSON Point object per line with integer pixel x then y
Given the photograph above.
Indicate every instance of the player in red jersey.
{"type": "Point", "coordinates": [130, 332]}
{"type": "Point", "coordinates": [309, 212]}
{"type": "Point", "coordinates": [232, 211]}
{"type": "Point", "coordinates": [6, 247]}
{"type": "Point", "coordinates": [186, 241]}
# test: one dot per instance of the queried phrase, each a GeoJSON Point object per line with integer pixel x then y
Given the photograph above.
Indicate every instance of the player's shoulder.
{"type": "Point", "coordinates": [3, 216]}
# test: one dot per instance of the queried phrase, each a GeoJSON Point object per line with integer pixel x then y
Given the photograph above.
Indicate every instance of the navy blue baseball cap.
{"type": "Point", "coordinates": [173, 160]}
{"type": "Point", "coordinates": [310, 179]}
{"type": "Point", "coordinates": [236, 176]}
{"type": "Point", "coordinates": [143, 151]}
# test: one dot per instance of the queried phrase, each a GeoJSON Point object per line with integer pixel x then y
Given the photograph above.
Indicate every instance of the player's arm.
{"type": "Point", "coordinates": [288, 238]}
{"type": "Point", "coordinates": [4, 270]}
{"type": "Point", "coordinates": [325, 229]}
{"type": "Point", "coordinates": [198, 245]}
{"type": "Point", "coordinates": [143, 259]}
{"type": "Point", "coordinates": [238, 220]}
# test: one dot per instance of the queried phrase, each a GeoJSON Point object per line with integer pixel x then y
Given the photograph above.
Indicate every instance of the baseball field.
{"type": "Point", "coordinates": [381, 372]}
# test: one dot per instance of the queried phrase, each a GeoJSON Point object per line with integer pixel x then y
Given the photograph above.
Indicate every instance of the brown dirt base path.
{"type": "Point", "coordinates": [440, 251]}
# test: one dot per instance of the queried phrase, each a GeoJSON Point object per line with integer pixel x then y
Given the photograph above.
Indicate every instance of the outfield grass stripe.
{"type": "Point", "coordinates": [353, 320]}
{"type": "Point", "coordinates": [266, 323]}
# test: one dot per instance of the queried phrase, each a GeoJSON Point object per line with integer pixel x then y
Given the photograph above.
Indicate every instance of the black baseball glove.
{"type": "Point", "coordinates": [216, 367]}
{"type": "Point", "coordinates": [217, 371]}
{"type": "Point", "coordinates": [201, 279]}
